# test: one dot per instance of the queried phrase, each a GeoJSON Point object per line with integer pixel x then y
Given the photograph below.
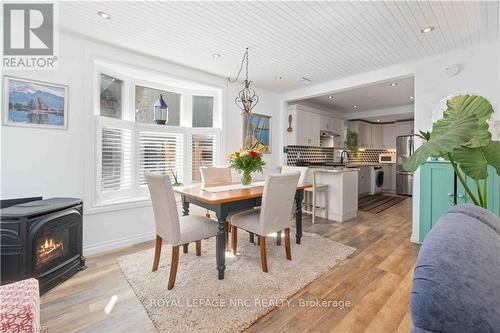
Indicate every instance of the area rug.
{"type": "Point", "coordinates": [202, 303]}
{"type": "Point", "coordinates": [378, 203]}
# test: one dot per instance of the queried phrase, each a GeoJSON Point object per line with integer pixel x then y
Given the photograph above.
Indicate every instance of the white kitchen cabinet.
{"type": "Point", "coordinates": [364, 135]}
{"type": "Point", "coordinates": [306, 127]}
{"type": "Point", "coordinates": [376, 137]}
{"type": "Point", "coordinates": [389, 137]}
{"type": "Point", "coordinates": [363, 180]}
{"type": "Point", "coordinates": [404, 128]}
{"type": "Point", "coordinates": [387, 185]}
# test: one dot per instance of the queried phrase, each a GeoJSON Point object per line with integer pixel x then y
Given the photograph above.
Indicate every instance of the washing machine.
{"type": "Point", "coordinates": [376, 179]}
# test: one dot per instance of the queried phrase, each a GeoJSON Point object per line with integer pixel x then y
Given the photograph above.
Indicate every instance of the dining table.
{"type": "Point", "coordinates": [228, 198]}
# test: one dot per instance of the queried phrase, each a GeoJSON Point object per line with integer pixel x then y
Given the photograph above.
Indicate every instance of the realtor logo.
{"type": "Point", "coordinates": [28, 36]}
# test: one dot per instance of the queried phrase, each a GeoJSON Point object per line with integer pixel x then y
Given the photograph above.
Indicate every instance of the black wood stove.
{"type": "Point", "coordinates": [41, 239]}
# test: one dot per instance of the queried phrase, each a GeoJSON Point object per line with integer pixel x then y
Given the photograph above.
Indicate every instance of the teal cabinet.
{"type": "Point", "coordinates": [436, 193]}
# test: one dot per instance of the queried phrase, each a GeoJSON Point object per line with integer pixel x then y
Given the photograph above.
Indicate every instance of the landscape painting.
{"type": "Point", "coordinates": [257, 132]}
{"type": "Point", "coordinates": [35, 104]}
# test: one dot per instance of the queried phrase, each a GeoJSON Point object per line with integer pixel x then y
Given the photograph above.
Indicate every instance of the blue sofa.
{"type": "Point", "coordinates": [456, 285]}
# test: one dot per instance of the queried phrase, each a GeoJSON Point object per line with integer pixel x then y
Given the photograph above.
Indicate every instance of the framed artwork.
{"type": "Point", "coordinates": [257, 132]}
{"type": "Point", "coordinates": [30, 103]}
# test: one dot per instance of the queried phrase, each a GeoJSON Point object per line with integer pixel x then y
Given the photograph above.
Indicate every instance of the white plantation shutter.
{"type": "Point", "coordinates": [116, 159]}
{"type": "Point", "coordinates": [203, 153]}
{"type": "Point", "coordinates": [160, 152]}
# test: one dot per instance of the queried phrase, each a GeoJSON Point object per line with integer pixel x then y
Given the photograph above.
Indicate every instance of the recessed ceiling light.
{"type": "Point", "coordinates": [216, 55]}
{"type": "Point", "coordinates": [393, 84]}
{"type": "Point", "coordinates": [378, 120]}
{"type": "Point", "coordinates": [330, 97]}
{"type": "Point", "coordinates": [411, 97]}
{"type": "Point", "coordinates": [277, 77]}
{"type": "Point", "coordinates": [355, 106]}
{"type": "Point", "coordinates": [427, 29]}
{"type": "Point", "coordinates": [104, 15]}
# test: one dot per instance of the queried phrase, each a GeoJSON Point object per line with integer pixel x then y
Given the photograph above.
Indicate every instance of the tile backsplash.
{"type": "Point", "coordinates": [323, 154]}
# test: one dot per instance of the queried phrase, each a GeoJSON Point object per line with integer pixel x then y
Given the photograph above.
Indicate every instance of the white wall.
{"type": "Point", "coordinates": [479, 75]}
{"type": "Point", "coordinates": [59, 162]}
{"type": "Point", "coordinates": [233, 123]}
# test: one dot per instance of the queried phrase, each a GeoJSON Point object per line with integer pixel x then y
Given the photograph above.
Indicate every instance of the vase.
{"type": "Point", "coordinates": [246, 178]}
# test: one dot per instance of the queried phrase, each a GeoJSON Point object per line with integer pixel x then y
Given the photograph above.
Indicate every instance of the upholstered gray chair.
{"type": "Point", "coordinates": [272, 216]}
{"type": "Point", "coordinates": [212, 176]}
{"type": "Point", "coordinates": [170, 227]}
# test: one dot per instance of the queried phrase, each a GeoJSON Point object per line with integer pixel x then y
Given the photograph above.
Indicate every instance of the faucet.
{"type": "Point", "coordinates": [342, 156]}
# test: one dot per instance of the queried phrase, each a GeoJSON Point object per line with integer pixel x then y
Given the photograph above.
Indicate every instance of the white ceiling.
{"type": "Point", "coordinates": [318, 40]}
{"type": "Point", "coordinates": [371, 97]}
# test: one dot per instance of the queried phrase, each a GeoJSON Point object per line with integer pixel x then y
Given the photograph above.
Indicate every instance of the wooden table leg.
{"type": "Point", "coordinates": [299, 196]}
{"type": "Point", "coordinates": [220, 243]}
{"type": "Point", "coordinates": [185, 212]}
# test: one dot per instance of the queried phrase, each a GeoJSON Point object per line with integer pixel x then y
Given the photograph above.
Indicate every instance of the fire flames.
{"type": "Point", "coordinates": [49, 249]}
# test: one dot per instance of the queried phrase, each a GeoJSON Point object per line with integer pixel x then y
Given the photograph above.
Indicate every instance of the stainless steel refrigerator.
{"type": "Point", "coordinates": [404, 179]}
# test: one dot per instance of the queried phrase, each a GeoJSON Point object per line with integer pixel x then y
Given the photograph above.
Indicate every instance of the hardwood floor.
{"type": "Point", "coordinates": [376, 280]}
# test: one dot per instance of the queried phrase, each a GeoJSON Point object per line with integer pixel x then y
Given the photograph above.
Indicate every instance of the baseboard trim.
{"type": "Point", "coordinates": [415, 239]}
{"type": "Point", "coordinates": [343, 217]}
{"type": "Point", "coordinates": [117, 243]}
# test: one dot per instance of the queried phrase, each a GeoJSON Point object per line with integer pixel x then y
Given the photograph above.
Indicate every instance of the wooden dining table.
{"type": "Point", "coordinates": [232, 201]}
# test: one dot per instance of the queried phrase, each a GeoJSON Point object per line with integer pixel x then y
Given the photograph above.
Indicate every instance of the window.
{"type": "Point", "coordinates": [145, 98]}
{"type": "Point", "coordinates": [204, 150]}
{"type": "Point", "coordinates": [111, 97]}
{"type": "Point", "coordinates": [160, 152]}
{"type": "Point", "coordinates": [203, 111]}
{"type": "Point", "coordinates": [129, 142]}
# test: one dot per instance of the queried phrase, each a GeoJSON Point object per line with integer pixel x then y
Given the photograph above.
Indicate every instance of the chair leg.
{"type": "Point", "coordinates": [173, 267]}
{"type": "Point", "coordinates": [251, 237]}
{"type": "Point", "coordinates": [313, 207]}
{"type": "Point", "coordinates": [288, 251]}
{"type": "Point", "coordinates": [156, 260]}
{"type": "Point", "coordinates": [207, 213]}
{"type": "Point", "coordinates": [278, 238]}
{"type": "Point", "coordinates": [226, 245]}
{"type": "Point", "coordinates": [258, 240]}
{"type": "Point", "coordinates": [234, 238]}
{"type": "Point", "coordinates": [198, 248]}
{"type": "Point", "coordinates": [263, 255]}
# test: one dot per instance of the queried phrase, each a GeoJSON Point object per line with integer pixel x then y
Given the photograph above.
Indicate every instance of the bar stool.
{"type": "Point", "coordinates": [314, 191]}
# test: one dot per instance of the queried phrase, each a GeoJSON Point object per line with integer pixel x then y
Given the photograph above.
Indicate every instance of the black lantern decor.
{"type": "Point", "coordinates": [160, 111]}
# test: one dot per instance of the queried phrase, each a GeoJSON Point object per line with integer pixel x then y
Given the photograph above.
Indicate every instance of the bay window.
{"type": "Point", "coordinates": [129, 143]}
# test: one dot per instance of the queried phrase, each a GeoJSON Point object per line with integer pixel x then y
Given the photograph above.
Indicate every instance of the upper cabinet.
{"type": "Point", "coordinates": [389, 136]}
{"type": "Point", "coordinates": [404, 128]}
{"type": "Point", "coordinates": [306, 126]}
{"type": "Point", "coordinates": [364, 135]}
{"type": "Point", "coordinates": [383, 136]}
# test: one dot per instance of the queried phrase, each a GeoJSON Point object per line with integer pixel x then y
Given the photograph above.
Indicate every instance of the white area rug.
{"type": "Point", "coordinates": [200, 302]}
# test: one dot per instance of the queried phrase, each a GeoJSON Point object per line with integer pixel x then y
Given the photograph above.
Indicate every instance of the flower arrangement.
{"type": "Point", "coordinates": [246, 162]}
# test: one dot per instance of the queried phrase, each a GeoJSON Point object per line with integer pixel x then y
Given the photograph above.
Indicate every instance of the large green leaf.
{"type": "Point", "coordinates": [465, 105]}
{"type": "Point", "coordinates": [451, 136]}
{"type": "Point", "coordinates": [474, 161]}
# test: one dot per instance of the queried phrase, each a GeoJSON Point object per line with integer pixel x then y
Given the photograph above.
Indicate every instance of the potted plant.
{"type": "Point", "coordinates": [351, 142]}
{"type": "Point", "coordinates": [246, 162]}
{"type": "Point", "coordinates": [462, 137]}
{"type": "Point", "coordinates": [176, 181]}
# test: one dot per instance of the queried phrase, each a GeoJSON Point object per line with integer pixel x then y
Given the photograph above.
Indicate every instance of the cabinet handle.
{"type": "Point", "coordinates": [461, 196]}
{"type": "Point", "coordinates": [450, 194]}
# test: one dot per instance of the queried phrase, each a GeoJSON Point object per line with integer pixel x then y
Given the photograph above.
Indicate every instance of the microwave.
{"type": "Point", "coordinates": [389, 158]}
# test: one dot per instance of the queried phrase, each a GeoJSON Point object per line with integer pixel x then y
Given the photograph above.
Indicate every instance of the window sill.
{"type": "Point", "coordinates": [110, 206]}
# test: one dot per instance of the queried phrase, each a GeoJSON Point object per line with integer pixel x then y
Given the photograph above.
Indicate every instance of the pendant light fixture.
{"type": "Point", "coordinates": [246, 99]}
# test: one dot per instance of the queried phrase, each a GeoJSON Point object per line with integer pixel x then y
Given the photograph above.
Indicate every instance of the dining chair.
{"type": "Point", "coordinates": [213, 176]}
{"type": "Point", "coordinates": [170, 227]}
{"type": "Point", "coordinates": [273, 215]}
{"type": "Point", "coordinates": [304, 178]}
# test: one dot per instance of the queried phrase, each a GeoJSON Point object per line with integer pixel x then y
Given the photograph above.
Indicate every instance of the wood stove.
{"type": "Point", "coordinates": [41, 239]}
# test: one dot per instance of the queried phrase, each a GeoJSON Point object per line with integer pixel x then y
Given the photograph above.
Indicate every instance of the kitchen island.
{"type": "Point", "coordinates": [342, 195]}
